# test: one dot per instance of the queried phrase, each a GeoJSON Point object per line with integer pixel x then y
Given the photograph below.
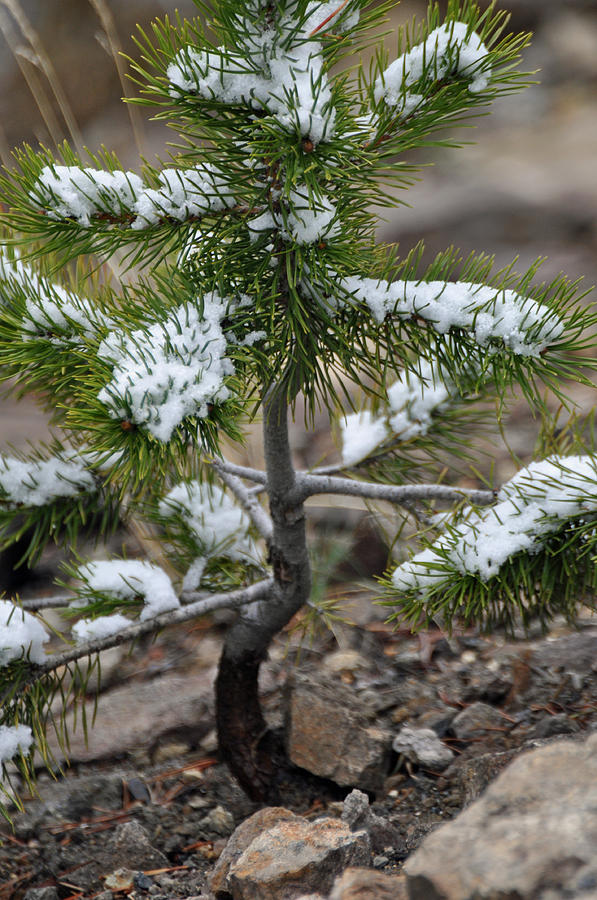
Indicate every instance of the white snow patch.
{"type": "Point", "coordinates": [128, 579]}
{"type": "Point", "coordinates": [451, 49]}
{"type": "Point", "coordinates": [525, 326]}
{"type": "Point", "coordinates": [183, 194]}
{"type": "Point", "coordinates": [537, 501]}
{"type": "Point", "coordinates": [412, 402]}
{"type": "Point", "coordinates": [20, 634]}
{"type": "Point", "coordinates": [14, 739]}
{"type": "Point", "coordinates": [414, 398]}
{"type": "Point", "coordinates": [102, 627]}
{"type": "Point", "coordinates": [361, 434]}
{"type": "Point", "coordinates": [217, 523]}
{"type": "Point", "coordinates": [73, 192]}
{"type": "Point", "coordinates": [49, 305]}
{"type": "Point", "coordinates": [37, 482]}
{"type": "Point", "coordinates": [169, 370]}
{"type": "Point", "coordinates": [194, 574]}
{"type": "Point", "coordinates": [310, 218]}
{"type": "Point", "coordinates": [280, 70]}
{"type": "Point", "coordinates": [305, 218]}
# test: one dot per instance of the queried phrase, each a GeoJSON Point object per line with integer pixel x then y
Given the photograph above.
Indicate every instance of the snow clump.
{"type": "Point", "coordinates": [37, 482]}
{"type": "Point", "coordinates": [524, 326]}
{"type": "Point", "coordinates": [169, 370]}
{"type": "Point", "coordinates": [21, 634]}
{"type": "Point", "coordinates": [280, 70]}
{"type": "Point", "coordinates": [73, 192]}
{"type": "Point", "coordinates": [129, 579]}
{"type": "Point", "coordinates": [452, 49]}
{"type": "Point", "coordinates": [532, 505]}
{"type": "Point", "coordinates": [218, 525]}
{"type": "Point", "coordinates": [14, 739]}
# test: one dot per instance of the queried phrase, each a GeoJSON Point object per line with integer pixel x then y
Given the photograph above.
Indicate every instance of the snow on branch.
{"type": "Point", "coordinates": [48, 306]}
{"type": "Point", "coordinates": [412, 402]}
{"type": "Point", "coordinates": [84, 194]}
{"type": "Point", "coordinates": [489, 314]}
{"type": "Point", "coordinates": [37, 482]}
{"type": "Point", "coordinates": [216, 524]}
{"type": "Point", "coordinates": [451, 50]}
{"type": "Point", "coordinates": [303, 217]}
{"type": "Point", "coordinates": [126, 580]}
{"type": "Point", "coordinates": [278, 69]}
{"type": "Point", "coordinates": [14, 739]}
{"type": "Point", "coordinates": [205, 604]}
{"type": "Point", "coordinates": [170, 369]}
{"type": "Point", "coordinates": [535, 503]}
{"type": "Point", "coordinates": [21, 634]}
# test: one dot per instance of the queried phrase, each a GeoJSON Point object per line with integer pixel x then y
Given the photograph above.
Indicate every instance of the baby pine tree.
{"type": "Point", "coordinates": [249, 281]}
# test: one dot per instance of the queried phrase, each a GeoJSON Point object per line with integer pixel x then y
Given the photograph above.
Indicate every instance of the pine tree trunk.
{"type": "Point", "coordinates": [251, 751]}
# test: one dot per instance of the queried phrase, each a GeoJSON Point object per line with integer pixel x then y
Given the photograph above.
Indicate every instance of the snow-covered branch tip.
{"type": "Point", "coordinates": [451, 50]}
{"type": "Point", "coordinates": [539, 500]}
{"type": "Point", "coordinates": [414, 401]}
{"type": "Point", "coordinates": [490, 315]}
{"type": "Point", "coordinates": [285, 76]}
{"type": "Point", "coordinates": [83, 194]}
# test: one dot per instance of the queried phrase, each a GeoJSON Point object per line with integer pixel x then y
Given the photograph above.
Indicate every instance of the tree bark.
{"type": "Point", "coordinates": [246, 744]}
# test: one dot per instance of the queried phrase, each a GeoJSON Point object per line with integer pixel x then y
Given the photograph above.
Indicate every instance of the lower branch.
{"type": "Point", "coordinates": [307, 485]}
{"type": "Point", "coordinates": [226, 600]}
{"type": "Point", "coordinates": [249, 503]}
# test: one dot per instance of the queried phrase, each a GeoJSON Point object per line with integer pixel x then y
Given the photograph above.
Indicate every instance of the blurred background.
{"type": "Point", "coordinates": [525, 186]}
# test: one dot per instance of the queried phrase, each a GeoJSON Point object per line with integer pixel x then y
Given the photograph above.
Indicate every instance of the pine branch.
{"type": "Point", "coordinates": [308, 485]}
{"type": "Point", "coordinates": [246, 472]}
{"type": "Point", "coordinates": [195, 608]}
{"type": "Point", "coordinates": [249, 503]}
{"type": "Point", "coordinates": [57, 601]}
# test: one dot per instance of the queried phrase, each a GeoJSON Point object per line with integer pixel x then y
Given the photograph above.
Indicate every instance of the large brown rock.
{"type": "Point", "coordinates": [242, 837]}
{"type": "Point", "coordinates": [329, 732]}
{"type": "Point", "coordinates": [533, 834]}
{"type": "Point", "coordinates": [368, 884]}
{"type": "Point", "coordinates": [295, 857]}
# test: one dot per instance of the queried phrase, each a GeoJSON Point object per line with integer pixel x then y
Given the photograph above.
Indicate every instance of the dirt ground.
{"type": "Point", "coordinates": [71, 839]}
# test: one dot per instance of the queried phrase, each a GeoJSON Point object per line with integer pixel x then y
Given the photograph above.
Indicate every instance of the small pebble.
{"type": "Point", "coordinates": [379, 862]}
{"type": "Point", "coordinates": [142, 882]}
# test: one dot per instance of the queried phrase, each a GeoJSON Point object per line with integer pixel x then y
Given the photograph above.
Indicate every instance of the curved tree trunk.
{"type": "Point", "coordinates": [246, 745]}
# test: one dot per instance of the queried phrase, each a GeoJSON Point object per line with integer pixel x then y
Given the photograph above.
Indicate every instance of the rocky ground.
{"type": "Point", "coordinates": [420, 726]}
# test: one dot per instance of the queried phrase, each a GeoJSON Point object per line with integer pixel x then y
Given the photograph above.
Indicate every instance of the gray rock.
{"type": "Point", "coordinates": [367, 884]}
{"type": "Point", "coordinates": [45, 893]}
{"type": "Point", "coordinates": [552, 725]}
{"type": "Point", "coordinates": [358, 815]}
{"type": "Point", "coordinates": [572, 653]}
{"type": "Point", "coordinates": [296, 856]}
{"type": "Point", "coordinates": [422, 747]}
{"type": "Point", "coordinates": [219, 820]}
{"type": "Point", "coordinates": [142, 714]}
{"type": "Point", "coordinates": [532, 834]}
{"type": "Point", "coordinates": [246, 832]}
{"type": "Point", "coordinates": [131, 848]}
{"type": "Point", "coordinates": [329, 733]}
{"type": "Point", "coordinates": [475, 774]}
{"type": "Point", "coordinates": [475, 720]}
{"type": "Point", "coordinates": [70, 799]}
